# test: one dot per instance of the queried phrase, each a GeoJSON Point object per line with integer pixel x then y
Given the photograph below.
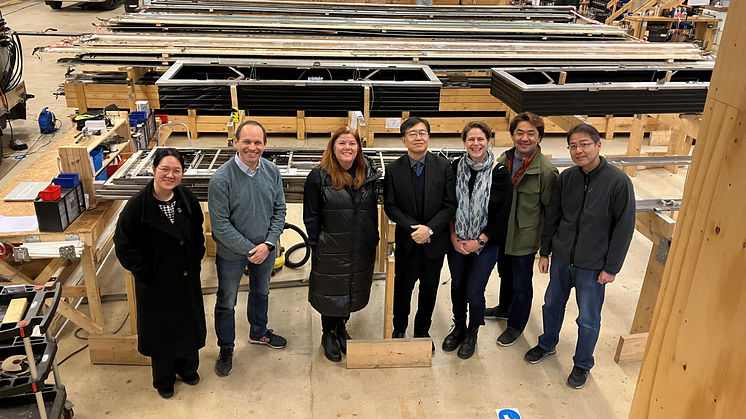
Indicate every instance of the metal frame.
{"type": "Point", "coordinates": [167, 79]}
{"type": "Point", "coordinates": [551, 86]}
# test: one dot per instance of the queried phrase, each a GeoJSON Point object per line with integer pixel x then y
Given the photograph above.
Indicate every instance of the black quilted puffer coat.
{"type": "Point", "coordinates": [342, 226]}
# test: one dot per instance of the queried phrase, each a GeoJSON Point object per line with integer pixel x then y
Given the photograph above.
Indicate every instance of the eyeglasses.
{"type": "Point", "coordinates": [166, 170]}
{"type": "Point", "coordinates": [583, 146]}
{"type": "Point", "coordinates": [414, 134]}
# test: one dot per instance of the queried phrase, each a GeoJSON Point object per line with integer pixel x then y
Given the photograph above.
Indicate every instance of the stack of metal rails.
{"type": "Point", "coordinates": [294, 165]}
{"type": "Point", "coordinates": [405, 11]}
{"type": "Point", "coordinates": [476, 38]}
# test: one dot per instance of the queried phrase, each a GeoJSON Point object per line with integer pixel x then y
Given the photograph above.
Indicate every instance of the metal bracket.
{"type": "Point", "coordinates": [72, 237]}
{"type": "Point", "coordinates": [20, 254]}
{"type": "Point", "coordinates": [32, 238]}
{"type": "Point", "coordinates": [67, 253]}
{"type": "Point", "coordinates": [663, 248]}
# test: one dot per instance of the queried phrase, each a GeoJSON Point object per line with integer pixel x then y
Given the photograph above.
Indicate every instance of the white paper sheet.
{"type": "Point", "coordinates": [16, 224]}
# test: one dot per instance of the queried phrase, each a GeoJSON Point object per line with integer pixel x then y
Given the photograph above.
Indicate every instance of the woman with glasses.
{"type": "Point", "coordinates": [341, 217]}
{"type": "Point", "coordinates": [159, 239]}
{"type": "Point", "coordinates": [483, 194]}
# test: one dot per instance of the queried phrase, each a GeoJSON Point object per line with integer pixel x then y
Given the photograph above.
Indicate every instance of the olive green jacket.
{"type": "Point", "coordinates": [531, 195]}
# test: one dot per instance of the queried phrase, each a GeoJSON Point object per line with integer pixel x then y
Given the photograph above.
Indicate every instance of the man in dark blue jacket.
{"type": "Point", "coordinates": [587, 228]}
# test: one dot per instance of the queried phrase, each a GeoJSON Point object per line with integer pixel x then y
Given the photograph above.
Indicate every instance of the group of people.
{"type": "Point", "coordinates": [478, 211]}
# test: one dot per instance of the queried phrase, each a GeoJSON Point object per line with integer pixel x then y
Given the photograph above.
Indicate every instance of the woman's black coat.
{"type": "Point", "coordinates": [342, 227]}
{"type": "Point", "coordinates": [166, 261]}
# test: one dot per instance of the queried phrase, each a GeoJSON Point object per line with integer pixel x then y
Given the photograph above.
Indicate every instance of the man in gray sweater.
{"type": "Point", "coordinates": [247, 211]}
{"type": "Point", "coordinates": [588, 227]}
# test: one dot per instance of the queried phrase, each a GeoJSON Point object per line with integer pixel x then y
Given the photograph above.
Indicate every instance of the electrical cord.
{"type": "Point", "coordinates": [86, 345]}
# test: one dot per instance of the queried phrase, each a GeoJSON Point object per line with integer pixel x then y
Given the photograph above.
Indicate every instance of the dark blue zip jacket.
{"type": "Point", "coordinates": [590, 219]}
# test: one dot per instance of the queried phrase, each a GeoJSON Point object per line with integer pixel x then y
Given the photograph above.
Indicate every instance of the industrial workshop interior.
{"type": "Point", "coordinates": [372, 209]}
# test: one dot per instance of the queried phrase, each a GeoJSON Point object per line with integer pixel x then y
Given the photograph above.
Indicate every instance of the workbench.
{"type": "Point", "coordinates": [90, 228]}
{"type": "Point", "coordinates": [704, 27]}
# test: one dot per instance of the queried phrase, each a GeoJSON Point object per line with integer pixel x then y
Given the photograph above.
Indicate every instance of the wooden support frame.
{"type": "Point", "coordinates": [656, 227]}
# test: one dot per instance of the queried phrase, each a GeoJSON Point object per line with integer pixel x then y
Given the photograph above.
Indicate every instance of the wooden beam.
{"type": "Point", "coordinates": [688, 125]}
{"type": "Point", "coordinates": [634, 146]}
{"type": "Point", "coordinates": [365, 133]}
{"type": "Point", "coordinates": [129, 281]}
{"type": "Point", "coordinates": [630, 348]}
{"type": "Point", "coordinates": [80, 319]}
{"type": "Point", "coordinates": [18, 277]}
{"type": "Point", "coordinates": [91, 285]}
{"type": "Point", "coordinates": [192, 123]}
{"type": "Point", "coordinates": [389, 353]}
{"type": "Point", "coordinates": [567, 122]}
{"type": "Point", "coordinates": [53, 268]}
{"type": "Point", "coordinates": [653, 225]}
{"type": "Point", "coordinates": [675, 146]}
{"type": "Point", "coordinates": [651, 286]}
{"type": "Point", "coordinates": [610, 127]}
{"type": "Point", "coordinates": [693, 367]}
{"type": "Point", "coordinates": [115, 349]}
{"type": "Point", "coordinates": [300, 119]}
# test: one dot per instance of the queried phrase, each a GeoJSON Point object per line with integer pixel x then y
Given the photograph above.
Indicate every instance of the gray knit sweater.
{"type": "Point", "coordinates": [245, 211]}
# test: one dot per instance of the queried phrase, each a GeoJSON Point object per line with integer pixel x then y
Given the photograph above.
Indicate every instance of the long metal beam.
{"type": "Point", "coordinates": [294, 165]}
{"type": "Point", "coordinates": [470, 12]}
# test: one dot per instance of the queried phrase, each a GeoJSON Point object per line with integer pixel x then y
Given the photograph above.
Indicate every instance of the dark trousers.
{"type": "Point", "coordinates": [469, 276]}
{"type": "Point", "coordinates": [410, 267]}
{"type": "Point", "coordinates": [590, 297]}
{"type": "Point", "coordinates": [505, 270]}
{"type": "Point", "coordinates": [165, 369]}
{"type": "Point", "coordinates": [329, 323]}
{"type": "Point", "coordinates": [523, 291]}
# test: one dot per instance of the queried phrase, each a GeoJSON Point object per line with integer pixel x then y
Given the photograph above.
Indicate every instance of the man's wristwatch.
{"type": "Point", "coordinates": [480, 241]}
{"type": "Point", "coordinates": [270, 246]}
{"type": "Point", "coordinates": [430, 230]}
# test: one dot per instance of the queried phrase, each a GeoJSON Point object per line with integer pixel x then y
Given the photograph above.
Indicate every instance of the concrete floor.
{"type": "Point", "coordinates": [298, 381]}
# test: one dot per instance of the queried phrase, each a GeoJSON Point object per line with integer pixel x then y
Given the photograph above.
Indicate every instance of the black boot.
{"type": "Point", "coordinates": [454, 339]}
{"type": "Point", "coordinates": [470, 343]}
{"type": "Point", "coordinates": [342, 335]}
{"type": "Point", "coordinates": [331, 346]}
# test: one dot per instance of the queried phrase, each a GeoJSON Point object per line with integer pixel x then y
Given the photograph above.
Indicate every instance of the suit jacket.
{"type": "Point", "coordinates": [439, 206]}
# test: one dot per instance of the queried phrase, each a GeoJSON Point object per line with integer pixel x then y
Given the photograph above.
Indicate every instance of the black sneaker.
{"type": "Point", "coordinates": [457, 335]}
{"type": "Point", "coordinates": [469, 344]}
{"type": "Point", "coordinates": [537, 353]}
{"type": "Point", "coordinates": [166, 393]}
{"type": "Point", "coordinates": [496, 312]}
{"type": "Point", "coordinates": [509, 336]}
{"type": "Point", "coordinates": [224, 364]}
{"type": "Point", "coordinates": [577, 378]}
{"type": "Point", "coordinates": [192, 380]}
{"type": "Point", "coordinates": [397, 335]}
{"type": "Point", "coordinates": [270, 339]}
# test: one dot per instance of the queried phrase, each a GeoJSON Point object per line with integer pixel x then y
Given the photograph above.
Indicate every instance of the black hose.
{"type": "Point", "coordinates": [303, 245]}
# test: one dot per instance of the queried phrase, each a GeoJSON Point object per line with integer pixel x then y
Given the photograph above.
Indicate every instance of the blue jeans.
{"type": "Point", "coordinates": [469, 276]}
{"type": "Point", "coordinates": [590, 296]}
{"type": "Point", "coordinates": [523, 290]}
{"type": "Point", "coordinates": [230, 273]}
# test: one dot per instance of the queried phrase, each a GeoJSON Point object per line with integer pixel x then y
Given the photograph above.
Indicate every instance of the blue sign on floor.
{"type": "Point", "coordinates": [508, 414]}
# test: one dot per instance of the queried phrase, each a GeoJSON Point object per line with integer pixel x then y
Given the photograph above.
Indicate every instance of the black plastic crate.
{"type": "Point", "coordinates": [24, 405]}
{"type": "Point", "coordinates": [56, 216]}
{"type": "Point", "coordinates": [44, 349]}
{"type": "Point", "coordinates": [35, 315]}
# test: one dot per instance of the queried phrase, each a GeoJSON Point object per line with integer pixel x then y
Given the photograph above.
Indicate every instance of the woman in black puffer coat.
{"type": "Point", "coordinates": [341, 217]}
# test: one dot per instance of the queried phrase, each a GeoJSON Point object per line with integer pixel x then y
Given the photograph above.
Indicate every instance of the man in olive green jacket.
{"type": "Point", "coordinates": [533, 179]}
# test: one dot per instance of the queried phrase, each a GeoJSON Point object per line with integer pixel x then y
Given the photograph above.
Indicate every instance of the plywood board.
{"type": "Point", "coordinates": [389, 353]}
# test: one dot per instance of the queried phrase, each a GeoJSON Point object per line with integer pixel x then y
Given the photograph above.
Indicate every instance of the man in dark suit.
{"type": "Point", "coordinates": [420, 197]}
